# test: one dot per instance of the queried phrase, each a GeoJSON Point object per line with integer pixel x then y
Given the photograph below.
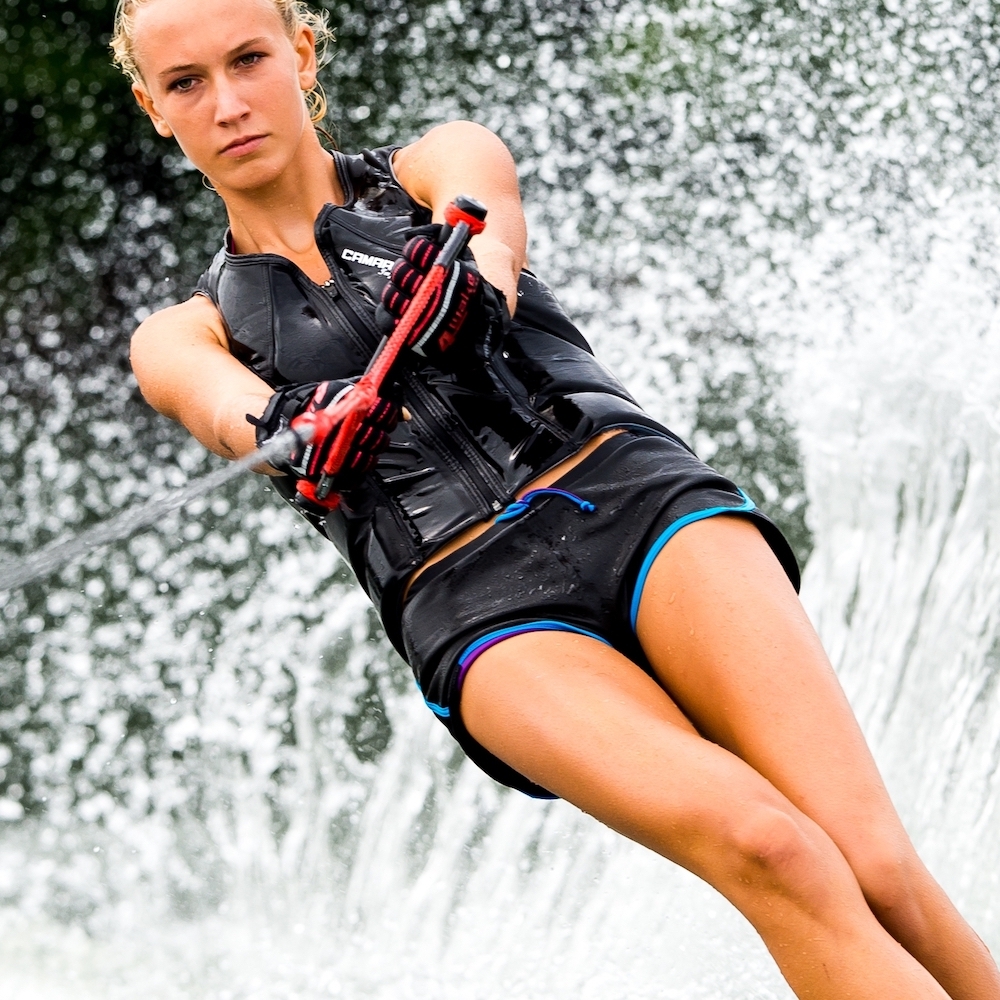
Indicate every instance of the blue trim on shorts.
{"type": "Point", "coordinates": [657, 546]}
{"type": "Point", "coordinates": [439, 710]}
{"type": "Point", "coordinates": [473, 650]}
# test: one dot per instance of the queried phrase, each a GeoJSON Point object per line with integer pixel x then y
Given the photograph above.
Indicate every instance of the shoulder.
{"type": "Point", "coordinates": [443, 142]}
{"type": "Point", "coordinates": [445, 138]}
{"type": "Point", "coordinates": [455, 148]}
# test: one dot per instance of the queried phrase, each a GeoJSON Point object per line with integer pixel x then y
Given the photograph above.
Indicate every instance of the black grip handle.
{"type": "Point", "coordinates": [458, 239]}
{"type": "Point", "coordinates": [465, 203]}
{"type": "Point", "coordinates": [471, 206]}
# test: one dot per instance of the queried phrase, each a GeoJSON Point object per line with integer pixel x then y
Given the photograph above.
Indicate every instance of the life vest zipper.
{"type": "Point", "coordinates": [340, 291]}
{"type": "Point", "coordinates": [326, 297]}
{"type": "Point", "coordinates": [507, 382]}
{"type": "Point", "coordinates": [479, 477]}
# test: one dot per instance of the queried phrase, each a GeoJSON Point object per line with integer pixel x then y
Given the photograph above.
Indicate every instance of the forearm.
{"type": "Point", "coordinates": [185, 371]}
{"type": "Point", "coordinates": [233, 436]}
{"type": "Point", "coordinates": [498, 264]}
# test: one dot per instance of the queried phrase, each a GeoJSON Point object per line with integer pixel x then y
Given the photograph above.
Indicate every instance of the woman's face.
{"type": "Point", "coordinates": [225, 80]}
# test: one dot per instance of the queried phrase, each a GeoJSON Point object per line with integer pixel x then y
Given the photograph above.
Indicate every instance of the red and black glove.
{"type": "Point", "coordinates": [287, 407]}
{"type": "Point", "coordinates": [458, 306]}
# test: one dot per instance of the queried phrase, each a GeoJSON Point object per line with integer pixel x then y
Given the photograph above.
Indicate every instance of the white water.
{"type": "Point", "coordinates": [65, 551]}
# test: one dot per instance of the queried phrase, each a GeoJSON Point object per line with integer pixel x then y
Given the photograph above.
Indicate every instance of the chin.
{"type": "Point", "coordinates": [252, 175]}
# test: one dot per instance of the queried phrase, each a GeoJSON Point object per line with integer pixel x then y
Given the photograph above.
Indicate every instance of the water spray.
{"type": "Point", "coordinates": [64, 551]}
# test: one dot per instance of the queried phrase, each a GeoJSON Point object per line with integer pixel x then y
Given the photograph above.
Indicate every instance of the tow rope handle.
{"type": "Point", "coordinates": [465, 217]}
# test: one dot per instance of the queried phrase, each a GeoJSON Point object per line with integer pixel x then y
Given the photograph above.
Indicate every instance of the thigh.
{"type": "Point", "coordinates": [580, 719]}
{"type": "Point", "coordinates": [729, 640]}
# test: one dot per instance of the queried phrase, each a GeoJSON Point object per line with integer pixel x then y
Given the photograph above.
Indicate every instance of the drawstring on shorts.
{"type": "Point", "coordinates": [521, 507]}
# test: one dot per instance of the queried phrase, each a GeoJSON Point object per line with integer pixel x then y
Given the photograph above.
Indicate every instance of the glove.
{"type": "Point", "coordinates": [459, 304]}
{"type": "Point", "coordinates": [288, 406]}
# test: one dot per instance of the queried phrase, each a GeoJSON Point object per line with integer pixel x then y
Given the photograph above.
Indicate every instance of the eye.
{"type": "Point", "coordinates": [182, 84]}
{"type": "Point", "coordinates": [249, 58]}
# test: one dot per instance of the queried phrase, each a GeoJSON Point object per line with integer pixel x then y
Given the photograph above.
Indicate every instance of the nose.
{"type": "Point", "coordinates": [230, 106]}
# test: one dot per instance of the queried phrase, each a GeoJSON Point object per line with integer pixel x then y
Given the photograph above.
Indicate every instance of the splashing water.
{"type": "Point", "coordinates": [65, 551]}
{"type": "Point", "coordinates": [219, 782]}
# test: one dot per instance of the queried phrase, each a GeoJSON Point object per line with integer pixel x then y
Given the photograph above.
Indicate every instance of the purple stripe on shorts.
{"type": "Point", "coordinates": [474, 650]}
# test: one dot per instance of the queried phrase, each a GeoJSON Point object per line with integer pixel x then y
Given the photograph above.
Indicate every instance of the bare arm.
{"type": "Point", "coordinates": [465, 158]}
{"type": "Point", "coordinates": [181, 360]}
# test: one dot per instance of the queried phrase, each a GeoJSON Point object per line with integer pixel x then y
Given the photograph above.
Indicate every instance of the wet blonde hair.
{"type": "Point", "coordinates": [293, 13]}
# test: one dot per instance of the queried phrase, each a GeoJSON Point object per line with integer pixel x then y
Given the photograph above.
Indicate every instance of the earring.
{"type": "Point", "coordinates": [207, 184]}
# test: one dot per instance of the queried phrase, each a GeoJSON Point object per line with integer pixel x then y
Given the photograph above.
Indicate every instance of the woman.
{"type": "Point", "coordinates": [609, 639]}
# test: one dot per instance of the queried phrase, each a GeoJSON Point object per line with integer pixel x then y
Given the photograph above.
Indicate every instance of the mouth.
{"type": "Point", "coordinates": [243, 145]}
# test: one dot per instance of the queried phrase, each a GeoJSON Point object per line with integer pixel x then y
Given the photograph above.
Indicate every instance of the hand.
{"type": "Point", "coordinates": [292, 408]}
{"type": "Point", "coordinates": [370, 439]}
{"type": "Point", "coordinates": [458, 304]}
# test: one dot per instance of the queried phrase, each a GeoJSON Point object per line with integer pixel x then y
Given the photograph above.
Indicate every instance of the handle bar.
{"type": "Point", "coordinates": [464, 218]}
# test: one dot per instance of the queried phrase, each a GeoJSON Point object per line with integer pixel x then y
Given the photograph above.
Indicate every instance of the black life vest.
{"type": "Point", "coordinates": [531, 397]}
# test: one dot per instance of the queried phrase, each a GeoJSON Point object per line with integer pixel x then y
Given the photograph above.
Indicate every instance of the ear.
{"type": "Point", "coordinates": [145, 101]}
{"type": "Point", "coordinates": [305, 57]}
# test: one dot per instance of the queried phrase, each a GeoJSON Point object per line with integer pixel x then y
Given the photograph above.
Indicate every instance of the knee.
{"type": "Point", "coordinates": [890, 874]}
{"type": "Point", "coordinates": [776, 852]}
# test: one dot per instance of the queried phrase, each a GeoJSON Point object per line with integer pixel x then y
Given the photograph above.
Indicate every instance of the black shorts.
{"type": "Point", "coordinates": [573, 558]}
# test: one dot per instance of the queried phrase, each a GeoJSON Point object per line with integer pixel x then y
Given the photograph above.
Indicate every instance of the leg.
{"type": "Point", "coordinates": [605, 736]}
{"type": "Point", "coordinates": [729, 640]}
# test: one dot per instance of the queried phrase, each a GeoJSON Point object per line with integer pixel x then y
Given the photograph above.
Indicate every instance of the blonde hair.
{"type": "Point", "coordinates": [294, 14]}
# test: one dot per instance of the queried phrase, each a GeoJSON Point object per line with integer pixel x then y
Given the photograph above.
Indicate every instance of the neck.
{"type": "Point", "coordinates": [279, 217]}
